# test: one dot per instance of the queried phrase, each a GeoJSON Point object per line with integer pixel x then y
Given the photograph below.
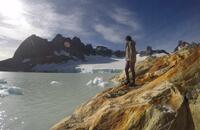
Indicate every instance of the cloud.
{"type": "Point", "coordinates": [50, 21]}
{"type": "Point", "coordinates": [124, 22]}
{"type": "Point", "coordinates": [6, 52]}
{"type": "Point", "coordinates": [109, 33]}
{"type": "Point", "coordinates": [41, 19]}
{"type": "Point", "coordinates": [125, 17]}
{"type": "Point", "coordinates": [7, 48]}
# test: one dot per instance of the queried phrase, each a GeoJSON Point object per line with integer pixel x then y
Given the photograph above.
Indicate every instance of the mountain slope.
{"type": "Point", "coordinates": [167, 97]}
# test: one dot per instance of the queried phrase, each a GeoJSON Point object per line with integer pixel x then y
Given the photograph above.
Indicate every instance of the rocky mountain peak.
{"type": "Point", "coordinates": [32, 46]}
{"type": "Point", "coordinates": [76, 39]}
{"type": "Point", "coordinates": [58, 39]}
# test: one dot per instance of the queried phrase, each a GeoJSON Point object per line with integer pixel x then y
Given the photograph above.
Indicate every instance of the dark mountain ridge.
{"type": "Point", "coordinates": [35, 50]}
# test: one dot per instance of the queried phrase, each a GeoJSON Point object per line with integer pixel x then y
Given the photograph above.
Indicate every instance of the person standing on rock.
{"type": "Point", "coordinates": [130, 56]}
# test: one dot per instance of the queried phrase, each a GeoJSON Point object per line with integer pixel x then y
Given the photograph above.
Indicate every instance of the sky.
{"type": "Point", "coordinates": [157, 23]}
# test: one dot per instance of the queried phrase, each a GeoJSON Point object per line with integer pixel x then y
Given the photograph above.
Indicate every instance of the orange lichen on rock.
{"type": "Point", "coordinates": [164, 99]}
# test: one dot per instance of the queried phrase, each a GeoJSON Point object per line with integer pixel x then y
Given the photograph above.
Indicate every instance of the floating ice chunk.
{"type": "Point", "coordinates": [15, 90]}
{"type": "Point", "coordinates": [3, 93]}
{"type": "Point", "coordinates": [3, 81]}
{"type": "Point", "coordinates": [55, 83]}
{"type": "Point", "coordinates": [103, 84]}
{"type": "Point", "coordinates": [89, 83]}
{"type": "Point", "coordinates": [97, 82]}
{"type": "Point", "coordinates": [6, 90]}
{"type": "Point", "coordinates": [15, 118]}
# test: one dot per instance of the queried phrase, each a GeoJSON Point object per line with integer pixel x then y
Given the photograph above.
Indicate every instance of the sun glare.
{"type": "Point", "coordinates": [13, 14]}
{"type": "Point", "coordinates": [11, 8]}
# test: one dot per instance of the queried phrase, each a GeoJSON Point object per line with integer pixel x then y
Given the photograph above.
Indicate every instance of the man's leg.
{"type": "Point", "coordinates": [132, 67]}
{"type": "Point", "coordinates": [126, 71]}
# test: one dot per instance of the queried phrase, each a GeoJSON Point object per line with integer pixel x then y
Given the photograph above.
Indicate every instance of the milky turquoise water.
{"type": "Point", "coordinates": [46, 99]}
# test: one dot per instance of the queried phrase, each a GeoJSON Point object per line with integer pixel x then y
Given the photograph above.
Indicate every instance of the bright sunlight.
{"type": "Point", "coordinates": [11, 8]}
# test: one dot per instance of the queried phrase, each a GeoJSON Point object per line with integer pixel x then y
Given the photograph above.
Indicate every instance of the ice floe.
{"type": "Point", "coordinates": [6, 89]}
{"type": "Point", "coordinates": [55, 83]}
{"type": "Point", "coordinates": [97, 82]}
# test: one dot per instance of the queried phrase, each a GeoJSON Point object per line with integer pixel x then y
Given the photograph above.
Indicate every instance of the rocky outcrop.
{"type": "Point", "coordinates": [149, 52]}
{"type": "Point", "coordinates": [185, 45]}
{"type": "Point", "coordinates": [166, 98]}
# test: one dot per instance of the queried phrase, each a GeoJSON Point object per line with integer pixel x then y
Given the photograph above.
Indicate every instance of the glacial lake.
{"type": "Point", "coordinates": [36, 101]}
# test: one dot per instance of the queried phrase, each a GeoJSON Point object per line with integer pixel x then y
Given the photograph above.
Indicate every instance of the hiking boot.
{"type": "Point", "coordinates": [125, 82]}
{"type": "Point", "coordinates": [132, 84]}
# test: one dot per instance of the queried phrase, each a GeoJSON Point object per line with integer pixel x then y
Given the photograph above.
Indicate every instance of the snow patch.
{"type": "Point", "coordinates": [56, 53]}
{"type": "Point", "coordinates": [26, 60]}
{"type": "Point", "coordinates": [159, 55]}
{"type": "Point", "coordinates": [61, 53]}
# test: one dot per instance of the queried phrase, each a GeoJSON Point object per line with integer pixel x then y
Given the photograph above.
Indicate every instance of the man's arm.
{"type": "Point", "coordinates": [130, 51]}
{"type": "Point", "coordinates": [131, 48]}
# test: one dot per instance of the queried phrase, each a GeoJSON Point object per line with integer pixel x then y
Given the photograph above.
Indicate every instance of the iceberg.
{"type": "Point", "coordinates": [97, 82]}
{"type": "Point", "coordinates": [6, 89]}
{"type": "Point", "coordinates": [55, 83]}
